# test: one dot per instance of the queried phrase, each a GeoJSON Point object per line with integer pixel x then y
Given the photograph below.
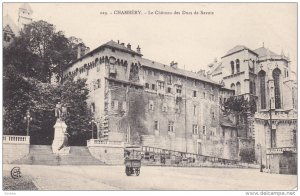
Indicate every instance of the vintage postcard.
{"type": "Point", "coordinates": [150, 96]}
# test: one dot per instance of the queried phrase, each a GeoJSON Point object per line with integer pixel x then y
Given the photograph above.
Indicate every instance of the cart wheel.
{"type": "Point", "coordinates": [127, 171]}
{"type": "Point", "coordinates": [137, 172]}
{"type": "Point", "coordinates": [131, 171]}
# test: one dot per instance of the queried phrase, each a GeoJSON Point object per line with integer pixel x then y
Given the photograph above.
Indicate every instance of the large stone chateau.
{"type": "Point", "coordinates": [137, 100]}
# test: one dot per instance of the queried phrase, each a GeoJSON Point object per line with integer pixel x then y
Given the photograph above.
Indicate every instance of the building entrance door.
{"type": "Point", "coordinates": [199, 148]}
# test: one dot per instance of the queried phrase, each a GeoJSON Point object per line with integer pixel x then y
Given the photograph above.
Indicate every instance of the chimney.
{"type": "Point", "coordinates": [138, 49]}
{"type": "Point", "coordinates": [202, 72]}
{"type": "Point", "coordinates": [173, 64]}
{"type": "Point", "coordinates": [122, 44]}
{"type": "Point", "coordinates": [118, 41]}
{"type": "Point", "coordinates": [87, 50]}
{"type": "Point", "coordinates": [129, 46]}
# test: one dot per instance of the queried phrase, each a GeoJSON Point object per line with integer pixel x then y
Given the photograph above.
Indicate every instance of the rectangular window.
{"type": "Point", "coordinates": [151, 105]}
{"type": "Point", "coordinates": [153, 87]}
{"type": "Point", "coordinates": [195, 129]}
{"type": "Point", "coordinates": [273, 138]}
{"type": "Point", "coordinates": [204, 95]}
{"type": "Point", "coordinates": [194, 93]}
{"type": "Point", "coordinates": [147, 85]}
{"type": "Point", "coordinates": [169, 90]}
{"type": "Point", "coordinates": [99, 83]}
{"type": "Point", "coordinates": [161, 86]}
{"type": "Point", "coordinates": [177, 109]}
{"type": "Point", "coordinates": [204, 130]}
{"type": "Point", "coordinates": [195, 110]}
{"type": "Point", "coordinates": [195, 82]}
{"type": "Point", "coordinates": [294, 137]}
{"type": "Point", "coordinates": [171, 126]}
{"type": "Point", "coordinates": [204, 85]}
{"type": "Point", "coordinates": [112, 105]}
{"type": "Point", "coordinates": [178, 89]}
{"type": "Point", "coordinates": [156, 125]}
{"type": "Point", "coordinates": [164, 107]}
{"type": "Point", "coordinates": [169, 79]}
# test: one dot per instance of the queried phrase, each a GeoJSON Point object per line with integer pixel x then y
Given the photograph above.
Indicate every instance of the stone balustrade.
{"type": "Point", "coordinates": [98, 142]}
{"type": "Point", "coordinates": [15, 139]}
{"type": "Point", "coordinates": [280, 150]}
{"type": "Point", "coordinates": [277, 115]}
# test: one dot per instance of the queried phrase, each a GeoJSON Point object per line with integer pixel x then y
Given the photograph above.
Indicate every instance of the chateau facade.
{"type": "Point", "coordinates": [266, 78]}
{"type": "Point", "coordinates": [136, 100]}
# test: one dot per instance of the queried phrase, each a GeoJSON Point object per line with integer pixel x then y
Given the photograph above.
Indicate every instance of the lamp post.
{"type": "Point", "coordinates": [92, 123]}
{"type": "Point", "coordinates": [259, 146]}
{"type": "Point", "coordinates": [28, 118]}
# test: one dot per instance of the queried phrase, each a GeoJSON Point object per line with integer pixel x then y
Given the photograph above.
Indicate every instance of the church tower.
{"type": "Point", "coordinates": [25, 15]}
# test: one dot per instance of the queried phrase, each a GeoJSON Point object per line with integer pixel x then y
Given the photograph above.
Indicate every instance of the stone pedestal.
{"type": "Point", "coordinates": [59, 130]}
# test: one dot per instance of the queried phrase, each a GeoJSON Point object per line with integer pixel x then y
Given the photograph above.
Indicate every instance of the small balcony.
{"type": "Point", "coordinates": [280, 150]}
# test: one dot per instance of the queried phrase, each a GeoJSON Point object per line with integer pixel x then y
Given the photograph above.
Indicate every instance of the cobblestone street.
{"type": "Point", "coordinates": [152, 178]}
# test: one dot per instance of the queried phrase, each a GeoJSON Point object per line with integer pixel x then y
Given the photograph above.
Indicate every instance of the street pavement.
{"type": "Point", "coordinates": [152, 178]}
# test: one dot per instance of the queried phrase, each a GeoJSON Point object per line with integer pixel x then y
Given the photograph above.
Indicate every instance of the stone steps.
{"type": "Point", "coordinates": [43, 155]}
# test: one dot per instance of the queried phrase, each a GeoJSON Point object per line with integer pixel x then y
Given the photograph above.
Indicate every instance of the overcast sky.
{"type": "Point", "coordinates": [191, 40]}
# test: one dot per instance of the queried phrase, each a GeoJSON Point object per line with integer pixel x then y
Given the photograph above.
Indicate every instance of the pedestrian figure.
{"type": "Point", "coordinates": [58, 110]}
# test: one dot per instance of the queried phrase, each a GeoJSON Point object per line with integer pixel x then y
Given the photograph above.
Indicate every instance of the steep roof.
{"type": "Point", "coordinates": [178, 71]}
{"type": "Point", "coordinates": [116, 45]}
{"type": "Point", "coordinates": [236, 49]}
{"type": "Point", "coordinates": [7, 21]}
{"type": "Point", "coordinates": [26, 6]}
{"type": "Point", "coordinates": [262, 51]}
{"type": "Point", "coordinates": [217, 69]}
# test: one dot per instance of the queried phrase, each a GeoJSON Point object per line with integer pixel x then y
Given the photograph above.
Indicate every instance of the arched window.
{"type": "Point", "coordinates": [276, 77]}
{"type": "Point", "coordinates": [232, 67]}
{"type": "Point", "coordinates": [262, 90]}
{"type": "Point", "coordinates": [232, 86]}
{"type": "Point", "coordinates": [237, 62]}
{"type": "Point", "coordinates": [238, 88]}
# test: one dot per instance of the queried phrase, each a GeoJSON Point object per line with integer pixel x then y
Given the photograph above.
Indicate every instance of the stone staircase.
{"type": "Point", "coordinates": [43, 155]}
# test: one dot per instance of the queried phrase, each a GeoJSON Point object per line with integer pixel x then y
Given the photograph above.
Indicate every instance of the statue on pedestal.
{"type": "Point", "coordinates": [60, 143]}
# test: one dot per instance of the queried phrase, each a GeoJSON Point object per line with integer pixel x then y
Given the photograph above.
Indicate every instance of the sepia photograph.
{"type": "Point", "coordinates": [150, 97]}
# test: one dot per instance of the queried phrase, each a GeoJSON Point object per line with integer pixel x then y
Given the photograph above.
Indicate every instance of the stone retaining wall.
{"type": "Point", "coordinates": [108, 154]}
{"type": "Point", "coordinates": [12, 152]}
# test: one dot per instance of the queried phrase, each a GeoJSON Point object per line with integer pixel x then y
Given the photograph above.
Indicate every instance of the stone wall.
{"type": "Point", "coordinates": [12, 152]}
{"type": "Point", "coordinates": [215, 147]}
{"type": "Point", "coordinates": [108, 154]}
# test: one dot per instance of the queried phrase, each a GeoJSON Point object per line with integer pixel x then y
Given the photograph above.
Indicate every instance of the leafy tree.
{"type": "Point", "coordinates": [247, 155]}
{"type": "Point", "coordinates": [40, 51]}
{"type": "Point", "coordinates": [23, 93]}
{"type": "Point", "coordinates": [239, 107]}
{"type": "Point", "coordinates": [74, 95]}
{"type": "Point", "coordinates": [15, 101]}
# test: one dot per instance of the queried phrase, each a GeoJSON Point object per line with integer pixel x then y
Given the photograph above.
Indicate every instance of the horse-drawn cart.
{"type": "Point", "coordinates": [132, 160]}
